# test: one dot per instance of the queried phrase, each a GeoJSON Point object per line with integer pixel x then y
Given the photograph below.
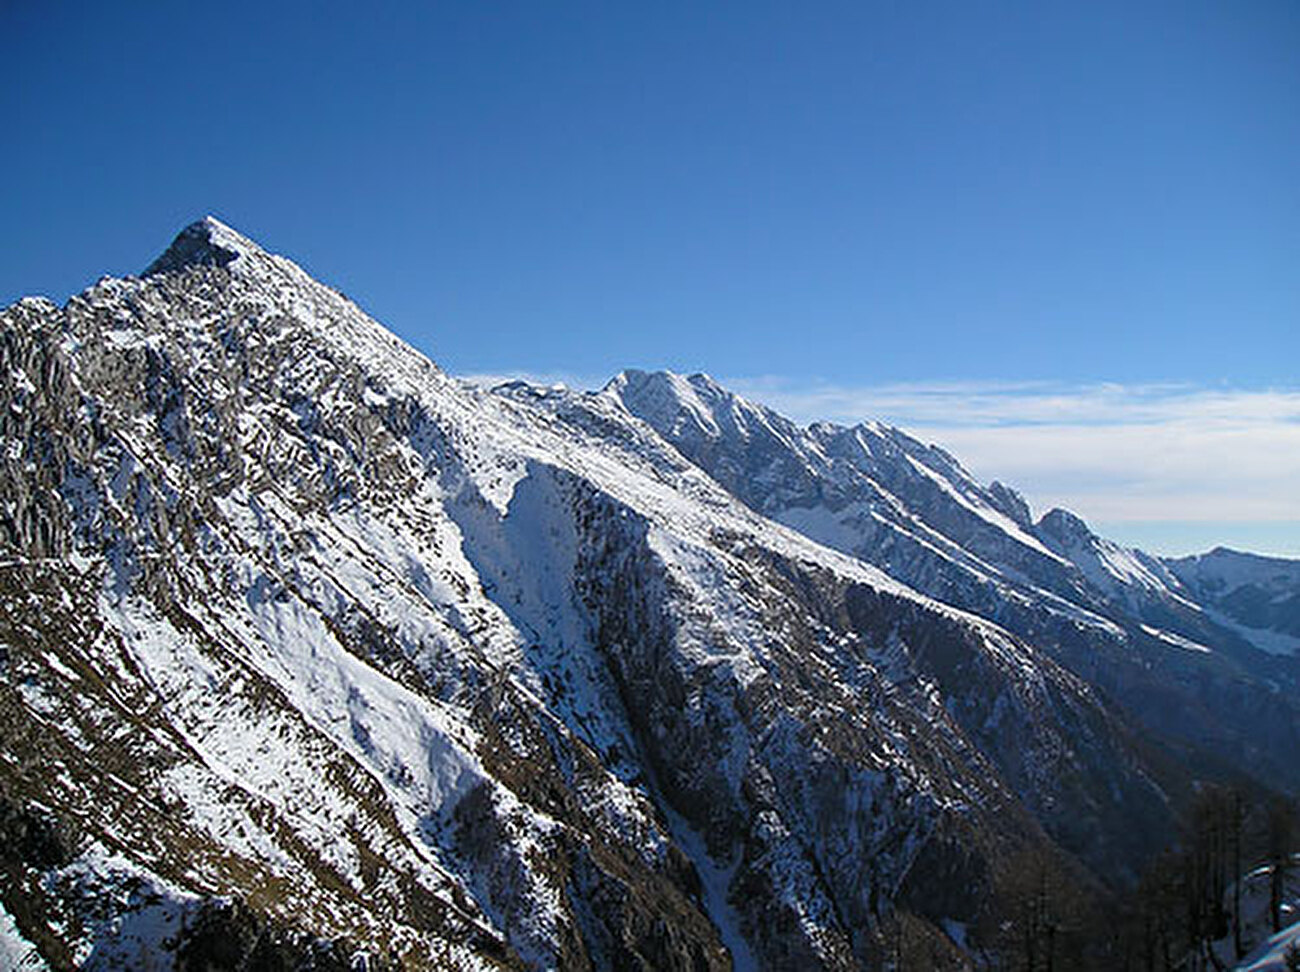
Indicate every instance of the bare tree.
{"type": "Point", "coordinates": [1237, 824]}
{"type": "Point", "coordinates": [1291, 958]}
{"type": "Point", "coordinates": [1280, 844]}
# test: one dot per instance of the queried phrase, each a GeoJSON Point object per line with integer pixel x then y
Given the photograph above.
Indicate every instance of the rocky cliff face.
{"type": "Point", "coordinates": [1197, 651]}
{"type": "Point", "coordinates": [308, 648]}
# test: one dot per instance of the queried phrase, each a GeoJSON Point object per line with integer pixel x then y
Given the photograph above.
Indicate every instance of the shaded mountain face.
{"type": "Point", "coordinates": [1199, 652]}
{"type": "Point", "coordinates": [308, 650]}
{"type": "Point", "coordinates": [1259, 597]}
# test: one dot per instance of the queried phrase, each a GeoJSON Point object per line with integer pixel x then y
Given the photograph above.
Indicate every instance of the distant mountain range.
{"type": "Point", "coordinates": [313, 654]}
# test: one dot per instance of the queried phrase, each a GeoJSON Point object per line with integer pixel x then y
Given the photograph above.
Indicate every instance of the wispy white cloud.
{"type": "Point", "coordinates": [1173, 470]}
{"type": "Point", "coordinates": [1140, 454]}
{"type": "Point", "coordinates": [1113, 453]}
{"type": "Point", "coordinates": [1020, 403]}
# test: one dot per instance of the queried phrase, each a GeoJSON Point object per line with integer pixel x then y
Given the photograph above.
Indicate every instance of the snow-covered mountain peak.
{"type": "Point", "coordinates": [1257, 596]}
{"type": "Point", "coordinates": [278, 300]}
{"type": "Point", "coordinates": [1126, 575]}
{"type": "Point", "coordinates": [207, 242]}
{"type": "Point", "coordinates": [532, 677]}
{"type": "Point", "coordinates": [1010, 502]}
{"type": "Point", "coordinates": [665, 399]}
{"type": "Point", "coordinates": [695, 405]}
{"type": "Point", "coordinates": [1233, 568]}
{"type": "Point", "coordinates": [1064, 526]}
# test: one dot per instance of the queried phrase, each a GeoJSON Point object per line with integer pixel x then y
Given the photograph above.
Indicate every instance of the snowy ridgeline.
{"type": "Point", "coordinates": [296, 626]}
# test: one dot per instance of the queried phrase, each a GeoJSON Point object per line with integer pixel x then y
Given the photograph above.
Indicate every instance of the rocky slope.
{"type": "Point", "coordinates": [1258, 597]}
{"type": "Point", "coordinates": [311, 654]}
{"type": "Point", "coordinates": [1197, 651]}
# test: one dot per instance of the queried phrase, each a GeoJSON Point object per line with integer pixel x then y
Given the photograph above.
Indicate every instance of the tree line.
{"type": "Point", "coordinates": [1204, 889]}
{"type": "Point", "coordinates": [1194, 893]}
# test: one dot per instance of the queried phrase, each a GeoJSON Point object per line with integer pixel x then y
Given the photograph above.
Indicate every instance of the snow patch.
{"type": "Point", "coordinates": [991, 516]}
{"type": "Point", "coordinates": [1178, 641]}
{"type": "Point", "coordinates": [17, 954]}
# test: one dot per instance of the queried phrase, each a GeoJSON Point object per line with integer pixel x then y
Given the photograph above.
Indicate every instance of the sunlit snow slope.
{"type": "Point", "coordinates": [307, 647]}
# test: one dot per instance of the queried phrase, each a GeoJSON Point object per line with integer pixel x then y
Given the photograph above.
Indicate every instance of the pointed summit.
{"type": "Point", "coordinates": [666, 400]}
{"type": "Point", "coordinates": [208, 242]}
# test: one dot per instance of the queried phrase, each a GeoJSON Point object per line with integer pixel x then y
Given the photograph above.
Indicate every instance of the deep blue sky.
{"type": "Point", "coordinates": [855, 191]}
{"type": "Point", "coordinates": [847, 193]}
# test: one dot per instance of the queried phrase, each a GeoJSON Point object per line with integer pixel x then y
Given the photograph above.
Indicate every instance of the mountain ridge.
{"type": "Point", "coordinates": [504, 679]}
{"type": "Point", "coordinates": [674, 397]}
